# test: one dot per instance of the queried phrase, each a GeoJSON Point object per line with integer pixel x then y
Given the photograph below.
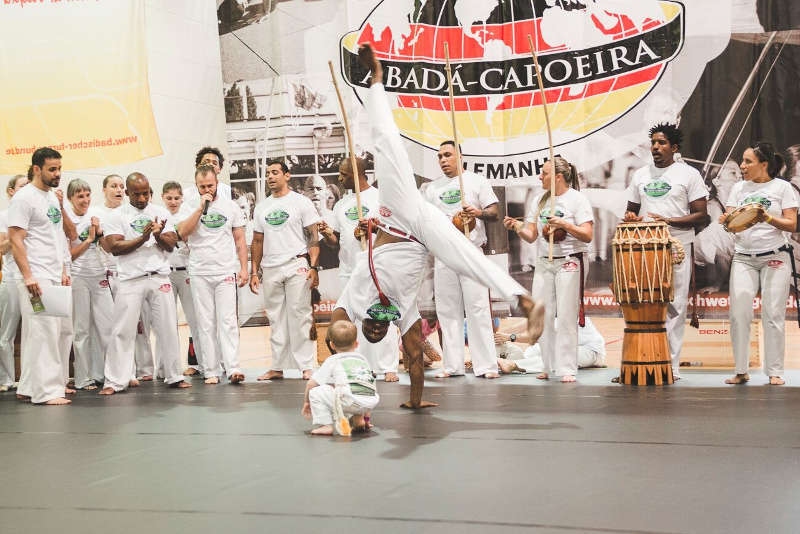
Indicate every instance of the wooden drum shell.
{"type": "Point", "coordinates": [645, 350]}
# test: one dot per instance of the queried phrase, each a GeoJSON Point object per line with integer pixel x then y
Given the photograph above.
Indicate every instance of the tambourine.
{"type": "Point", "coordinates": [458, 221]}
{"type": "Point", "coordinates": [743, 218]}
{"type": "Point", "coordinates": [558, 236]}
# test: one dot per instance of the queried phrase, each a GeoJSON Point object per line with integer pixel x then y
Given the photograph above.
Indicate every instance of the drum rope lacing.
{"type": "Point", "coordinates": [639, 236]}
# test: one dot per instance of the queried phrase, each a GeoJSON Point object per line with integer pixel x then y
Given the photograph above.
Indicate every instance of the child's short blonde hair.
{"type": "Point", "coordinates": [343, 335]}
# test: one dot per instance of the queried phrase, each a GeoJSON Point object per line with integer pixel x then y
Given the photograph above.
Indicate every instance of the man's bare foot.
{"type": "Point", "coordinates": [212, 380]}
{"type": "Point", "coordinates": [271, 375]}
{"type": "Point", "coordinates": [236, 378]}
{"type": "Point", "coordinates": [508, 366]}
{"type": "Point", "coordinates": [133, 383]}
{"type": "Point", "coordinates": [181, 385]}
{"type": "Point", "coordinates": [422, 404]}
{"type": "Point", "coordinates": [443, 374]}
{"type": "Point", "coordinates": [324, 430]}
{"type": "Point", "coordinates": [24, 398]}
{"type": "Point", "coordinates": [191, 371]}
{"type": "Point", "coordinates": [534, 311]}
{"type": "Point", "coordinates": [738, 379]}
{"type": "Point", "coordinates": [106, 391]}
{"type": "Point", "coordinates": [615, 380]}
{"type": "Point", "coordinates": [390, 377]}
{"type": "Point", "coordinates": [69, 391]}
{"type": "Point", "coordinates": [568, 378]}
{"type": "Point", "coordinates": [307, 374]}
{"type": "Point", "coordinates": [147, 378]}
{"type": "Point", "coordinates": [543, 376]}
{"type": "Point", "coordinates": [776, 381]}
{"type": "Point", "coordinates": [90, 387]}
{"type": "Point", "coordinates": [490, 375]}
{"type": "Point", "coordinates": [57, 402]}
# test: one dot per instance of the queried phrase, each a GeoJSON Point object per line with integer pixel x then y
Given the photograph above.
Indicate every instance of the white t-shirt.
{"type": "Point", "coordinates": [39, 213]}
{"type": "Point", "coordinates": [191, 196]}
{"type": "Point", "coordinates": [128, 222]}
{"type": "Point", "coordinates": [10, 269]}
{"type": "Point", "coordinates": [667, 192]}
{"type": "Point", "coordinates": [775, 195]}
{"type": "Point", "coordinates": [573, 207]}
{"type": "Point", "coordinates": [89, 263]}
{"type": "Point", "coordinates": [444, 193]}
{"type": "Point", "coordinates": [283, 221]}
{"type": "Point", "coordinates": [345, 219]}
{"type": "Point", "coordinates": [108, 259]}
{"type": "Point", "coordinates": [179, 257]}
{"type": "Point", "coordinates": [347, 368]}
{"type": "Point", "coordinates": [212, 249]}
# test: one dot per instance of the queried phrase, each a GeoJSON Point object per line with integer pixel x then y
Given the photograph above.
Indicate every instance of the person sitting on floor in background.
{"type": "Point", "coordinates": [341, 393]}
{"type": "Point", "coordinates": [591, 351]}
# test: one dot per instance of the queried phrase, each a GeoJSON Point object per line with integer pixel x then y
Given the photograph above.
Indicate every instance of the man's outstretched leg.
{"type": "Point", "coordinates": [412, 346]}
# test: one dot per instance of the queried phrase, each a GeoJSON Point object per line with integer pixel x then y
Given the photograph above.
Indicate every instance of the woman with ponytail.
{"type": "Point", "coordinates": [558, 283]}
{"type": "Point", "coordinates": [761, 261]}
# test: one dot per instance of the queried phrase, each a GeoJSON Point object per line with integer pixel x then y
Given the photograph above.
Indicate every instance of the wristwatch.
{"type": "Point", "coordinates": [512, 337]}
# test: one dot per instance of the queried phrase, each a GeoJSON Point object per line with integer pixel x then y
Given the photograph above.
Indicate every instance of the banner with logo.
{"type": "Point", "coordinates": [75, 79]}
{"type": "Point", "coordinates": [611, 70]}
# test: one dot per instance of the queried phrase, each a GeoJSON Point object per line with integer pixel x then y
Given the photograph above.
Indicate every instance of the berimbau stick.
{"type": "Point", "coordinates": [455, 133]}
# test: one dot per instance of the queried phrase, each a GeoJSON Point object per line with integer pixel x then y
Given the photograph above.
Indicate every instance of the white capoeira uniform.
{"type": "Point", "coordinates": [143, 352]}
{"type": "Point", "coordinates": [558, 282]}
{"type": "Point", "coordinates": [213, 265]}
{"type": "Point", "coordinates": [46, 340]}
{"type": "Point", "coordinates": [591, 351]}
{"type": "Point", "coordinates": [9, 311]}
{"type": "Point", "coordinates": [667, 192]}
{"type": "Point", "coordinates": [759, 263]}
{"type": "Point", "coordinates": [348, 376]}
{"type": "Point", "coordinates": [92, 305]}
{"type": "Point", "coordinates": [287, 292]}
{"type": "Point", "coordinates": [181, 286]}
{"type": "Point", "coordinates": [457, 295]}
{"type": "Point", "coordinates": [404, 212]}
{"type": "Point", "coordinates": [143, 280]}
{"type": "Point", "coordinates": [383, 356]}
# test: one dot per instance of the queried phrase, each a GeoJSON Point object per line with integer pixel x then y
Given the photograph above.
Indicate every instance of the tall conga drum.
{"type": "Point", "coordinates": [642, 254]}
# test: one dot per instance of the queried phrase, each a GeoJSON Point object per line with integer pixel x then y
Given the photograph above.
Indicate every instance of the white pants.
{"type": "Point", "coordinates": [287, 299]}
{"type": "Point", "coordinates": [532, 360]}
{"type": "Point", "coordinates": [143, 354]}
{"type": "Point", "coordinates": [181, 287]}
{"type": "Point", "coordinates": [456, 294]}
{"type": "Point", "coordinates": [9, 321]}
{"type": "Point", "coordinates": [45, 350]}
{"type": "Point", "coordinates": [321, 399]}
{"type": "Point", "coordinates": [132, 297]}
{"type": "Point", "coordinates": [772, 275]}
{"type": "Point", "coordinates": [676, 310]}
{"type": "Point", "coordinates": [214, 299]}
{"type": "Point", "coordinates": [92, 321]}
{"type": "Point", "coordinates": [383, 356]}
{"type": "Point", "coordinates": [557, 284]}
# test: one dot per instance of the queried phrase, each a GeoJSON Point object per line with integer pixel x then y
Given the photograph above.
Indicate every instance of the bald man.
{"type": "Point", "coordinates": [140, 235]}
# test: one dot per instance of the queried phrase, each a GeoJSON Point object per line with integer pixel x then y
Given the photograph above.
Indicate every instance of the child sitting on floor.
{"type": "Point", "coordinates": [341, 393]}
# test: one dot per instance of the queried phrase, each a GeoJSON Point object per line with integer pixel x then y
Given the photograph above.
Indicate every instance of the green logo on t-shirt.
{"type": "Point", "coordinates": [451, 196]}
{"type": "Point", "coordinates": [54, 214]}
{"type": "Point", "coordinates": [380, 312]}
{"type": "Point", "coordinates": [657, 188]}
{"type": "Point", "coordinates": [359, 375]}
{"type": "Point", "coordinates": [545, 213]}
{"type": "Point", "coordinates": [352, 213]}
{"type": "Point", "coordinates": [139, 223]}
{"type": "Point", "coordinates": [213, 220]}
{"type": "Point", "coordinates": [756, 199]}
{"type": "Point", "coordinates": [276, 218]}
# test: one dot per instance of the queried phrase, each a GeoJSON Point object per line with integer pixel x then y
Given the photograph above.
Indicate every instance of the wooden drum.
{"type": "Point", "coordinates": [643, 255]}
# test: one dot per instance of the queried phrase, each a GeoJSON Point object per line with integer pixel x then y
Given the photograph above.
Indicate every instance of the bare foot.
{"type": "Point", "coordinates": [133, 383]}
{"type": "Point", "coordinates": [191, 371]}
{"type": "Point", "coordinates": [69, 391]}
{"type": "Point", "coordinates": [390, 377]}
{"type": "Point", "coordinates": [615, 380]}
{"type": "Point", "coordinates": [180, 385]}
{"type": "Point", "coordinates": [271, 375]}
{"type": "Point", "coordinates": [443, 374]}
{"type": "Point", "coordinates": [237, 378]}
{"type": "Point", "coordinates": [324, 430]}
{"type": "Point", "coordinates": [422, 404]}
{"type": "Point", "coordinates": [534, 310]}
{"type": "Point", "coordinates": [543, 376]}
{"type": "Point", "coordinates": [508, 366]}
{"type": "Point", "coordinates": [57, 402]}
{"type": "Point", "coordinates": [90, 387]}
{"type": "Point", "coordinates": [212, 380]}
{"type": "Point", "coordinates": [106, 391]}
{"type": "Point", "coordinates": [776, 381]}
{"type": "Point", "coordinates": [738, 379]}
{"type": "Point", "coordinates": [490, 375]}
{"type": "Point", "coordinates": [147, 378]}
{"type": "Point", "coordinates": [307, 374]}
{"type": "Point", "coordinates": [24, 398]}
{"type": "Point", "coordinates": [568, 378]}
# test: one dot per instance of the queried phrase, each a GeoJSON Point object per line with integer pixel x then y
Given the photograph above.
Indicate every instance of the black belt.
{"type": "Point", "coordinates": [573, 255]}
{"type": "Point", "coordinates": [304, 255]}
{"type": "Point", "coordinates": [784, 248]}
{"type": "Point", "coordinates": [173, 269]}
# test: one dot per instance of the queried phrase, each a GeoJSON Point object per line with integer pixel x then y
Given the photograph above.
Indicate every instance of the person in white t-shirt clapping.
{"type": "Point", "coordinates": [217, 265]}
{"type": "Point", "coordinates": [558, 283]}
{"type": "Point", "coordinates": [673, 192]}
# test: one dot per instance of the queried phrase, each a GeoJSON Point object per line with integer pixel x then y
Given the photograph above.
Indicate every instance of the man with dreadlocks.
{"type": "Point", "coordinates": [673, 192]}
{"type": "Point", "coordinates": [383, 285]}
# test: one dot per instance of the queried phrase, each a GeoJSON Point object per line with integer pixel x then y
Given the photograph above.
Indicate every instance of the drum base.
{"type": "Point", "coordinates": [645, 350]}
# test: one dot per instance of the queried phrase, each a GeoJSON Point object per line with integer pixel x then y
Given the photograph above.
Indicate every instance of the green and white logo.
{"type": "Point", "coordinates": [213, 220]}
{"type": "Point", "coordinates": [54, 214]}
{"type": "Point", "coordinates": [451, 196]}
{"type": "Point", "coordinates": [379, 312]}
{"type": "Point", "coordinates": [657, 188]}
{"type": "Point", "coordinates": [545, 213]}
{"type": "Point", "coordinates": [352, 213]}
{"type": "Point", "coordinates": [757, 199]}
{"type": "Point", "coordinates": [139, 223]}
{"type": "Point", "coordinates": [276, 218]}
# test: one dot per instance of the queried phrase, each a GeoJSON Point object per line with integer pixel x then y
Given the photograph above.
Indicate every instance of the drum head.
{"type": "Point", "coordinates": [743, 218]}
